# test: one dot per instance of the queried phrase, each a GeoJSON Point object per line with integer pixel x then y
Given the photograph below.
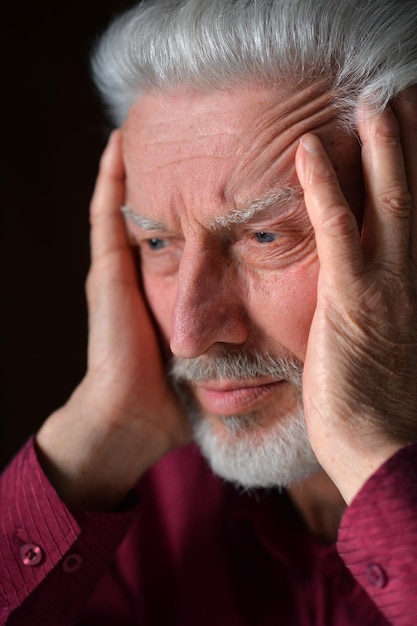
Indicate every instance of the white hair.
{"type": "Point", "coordinates": [280, 457]}
{"type": "Point", "coordinates": [361, 48]}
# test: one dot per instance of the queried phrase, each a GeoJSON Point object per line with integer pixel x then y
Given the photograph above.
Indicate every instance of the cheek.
{"type": "Point", "coordinates": [160, 295]}
{"type": "Point", "coordinates": [279, 305]}
{"type": "Point", "coordinates": [283, 305]}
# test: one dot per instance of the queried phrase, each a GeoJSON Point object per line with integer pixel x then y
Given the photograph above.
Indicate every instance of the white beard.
{"type": "Point", "coordinates": [279, 457]}
{"type": "Point", "coordinates": [241, 450]}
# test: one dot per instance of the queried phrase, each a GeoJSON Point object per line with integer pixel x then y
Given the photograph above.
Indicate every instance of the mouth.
{"type": "Point", "coordinates": [231, 397]}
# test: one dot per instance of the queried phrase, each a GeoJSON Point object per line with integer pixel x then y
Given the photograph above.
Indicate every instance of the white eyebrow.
{"type": "Point", "coordinates": [250, 208]}
{"type": "Point", "coordinates": [140, 220]}
{"type": "Point", "coordinates": [237, 216]}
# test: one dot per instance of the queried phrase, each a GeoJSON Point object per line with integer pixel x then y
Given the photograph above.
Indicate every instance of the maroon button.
{"type": "Point", "coordinates": [72, 563]}
{"type": "Point", "coordinates": [31, 554]}
{"type": "Point", "coordinates": [376, 575]}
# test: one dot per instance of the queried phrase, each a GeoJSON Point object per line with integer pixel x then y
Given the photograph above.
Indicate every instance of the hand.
{"type": "Point", "coordinates": [123, 417]}
{"type": "Point", "coordinates": [360, 382]}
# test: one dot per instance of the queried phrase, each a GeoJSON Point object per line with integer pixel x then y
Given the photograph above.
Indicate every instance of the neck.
{"type": "Point", "coordinates": [320, 504]}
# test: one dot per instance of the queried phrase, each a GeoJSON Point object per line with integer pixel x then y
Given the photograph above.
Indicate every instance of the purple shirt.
{"type": "Point", "coordinates": [193, 551]}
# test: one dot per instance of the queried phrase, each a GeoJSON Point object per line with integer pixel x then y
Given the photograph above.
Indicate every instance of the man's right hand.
{"type": "Point", "coordinates": [123, 416]}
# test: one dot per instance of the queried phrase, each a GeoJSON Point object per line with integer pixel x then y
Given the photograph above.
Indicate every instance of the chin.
{"type": "Point", "coordinates": [241, 450]}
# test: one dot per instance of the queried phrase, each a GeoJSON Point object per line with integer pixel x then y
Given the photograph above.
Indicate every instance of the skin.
{"type": "Point", "coordinates": [346, 307]}
{"type": "Point", "coordinates": [192, 158]}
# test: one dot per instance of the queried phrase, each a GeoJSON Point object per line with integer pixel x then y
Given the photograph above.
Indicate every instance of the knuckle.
{"type": "Point", "coordinates": [93, 213]}
{"type": "Point", "coordinates": [409, 306]}
{"type": "Point", "coordinates": [323, 176]}
{"type": "Point", "coordinates": [396, 201]}
{"type": "Point", "coordinates": [340, 223]}
{"type": "Point", "coordinates": [387, 129]}
{"type": "Point", "coordinates": [96, 214]}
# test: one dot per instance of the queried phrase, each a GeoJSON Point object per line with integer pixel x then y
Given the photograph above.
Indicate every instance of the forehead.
{"type": "Point", "coordinates": [222, 146]}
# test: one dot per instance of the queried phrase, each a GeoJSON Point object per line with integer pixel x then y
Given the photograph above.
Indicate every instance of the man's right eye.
{"type": "Point", "coordinates": [160, 256]}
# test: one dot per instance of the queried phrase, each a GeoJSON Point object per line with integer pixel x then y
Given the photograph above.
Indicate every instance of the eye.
{"type": "Point", "coordinates": [264, 237]}
{"type": "Point", "coordinates": [156, 244]}
{"type": "Point", "coordinates": [160, 256]}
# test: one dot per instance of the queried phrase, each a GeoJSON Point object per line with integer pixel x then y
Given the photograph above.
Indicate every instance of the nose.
{"type": "Point", "coordinates": [209, 306]}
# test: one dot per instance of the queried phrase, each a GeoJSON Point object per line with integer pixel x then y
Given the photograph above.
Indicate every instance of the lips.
{"type": "Point", "coordinates": [230, 398]}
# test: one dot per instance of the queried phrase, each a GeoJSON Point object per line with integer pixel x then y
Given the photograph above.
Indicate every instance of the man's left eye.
{"type": "Point", "coordinates": [156, 244]}
{"type": "Point", "coordinates": [264, 237]}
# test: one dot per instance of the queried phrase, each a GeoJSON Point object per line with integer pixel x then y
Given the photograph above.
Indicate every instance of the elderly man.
{"type": "Point", "coordinates": [252, 288]}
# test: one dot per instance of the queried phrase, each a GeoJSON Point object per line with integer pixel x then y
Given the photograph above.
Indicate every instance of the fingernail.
{"type": "Point", "coordinates": [310, 143]}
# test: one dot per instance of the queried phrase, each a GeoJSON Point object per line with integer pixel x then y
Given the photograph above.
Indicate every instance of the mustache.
{"type": "Point", "coordinates": [234, 365]}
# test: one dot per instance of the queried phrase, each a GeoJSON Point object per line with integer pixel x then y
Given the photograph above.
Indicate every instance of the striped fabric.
{"type": "Point", "coordinates": [193, 551]}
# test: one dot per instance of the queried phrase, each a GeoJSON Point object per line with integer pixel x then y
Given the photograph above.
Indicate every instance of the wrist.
{"type": "Point", "coordinates": [93, 460]}
{"type": "Point", "coordinates": [350, 467]}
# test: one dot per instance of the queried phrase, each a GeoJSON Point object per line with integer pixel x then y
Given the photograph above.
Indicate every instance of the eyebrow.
{"type": "Point", "coordinates": [278, 198]}
{"type": "Point", "coordinates": [140, 220]}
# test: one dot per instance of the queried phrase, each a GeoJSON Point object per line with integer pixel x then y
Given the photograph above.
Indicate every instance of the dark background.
{"type": "Point", "coordinates": [54, 130]}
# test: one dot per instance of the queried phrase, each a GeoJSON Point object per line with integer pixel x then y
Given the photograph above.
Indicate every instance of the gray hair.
{"type": "Point", "coordinates": [360, 48]}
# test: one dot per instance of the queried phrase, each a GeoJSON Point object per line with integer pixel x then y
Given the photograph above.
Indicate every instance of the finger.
{"type": "Point", "coordinates": [386, 223]}
{"type": "Point", "coordinates": [108, 231]}
{"type": "Point", "coordinates": [335, 227]}
{"type": "Point", "coordinates": [405, 108]}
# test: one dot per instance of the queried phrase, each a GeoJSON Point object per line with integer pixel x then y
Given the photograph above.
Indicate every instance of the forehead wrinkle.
{"type": "Point", "coordinates": [301, 107]}
{"type": "Point", "coordinates": [278, 128]}
{"type": "Point", "coordinates": [249, 208]}
{"type": "Point", "coordinates": [200, 135]}
{"type": "Point", "coordinates": [151, 165]}
{"type": "Point", "coordinates": [202, 146]}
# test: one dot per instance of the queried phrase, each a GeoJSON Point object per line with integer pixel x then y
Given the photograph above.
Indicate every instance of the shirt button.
{"type": "Point", "coordinates": [72, 563]}
{"type": "Point", "coordinates": [376, 575]}
{"type": "Point", "coordinates": [31, 554]}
